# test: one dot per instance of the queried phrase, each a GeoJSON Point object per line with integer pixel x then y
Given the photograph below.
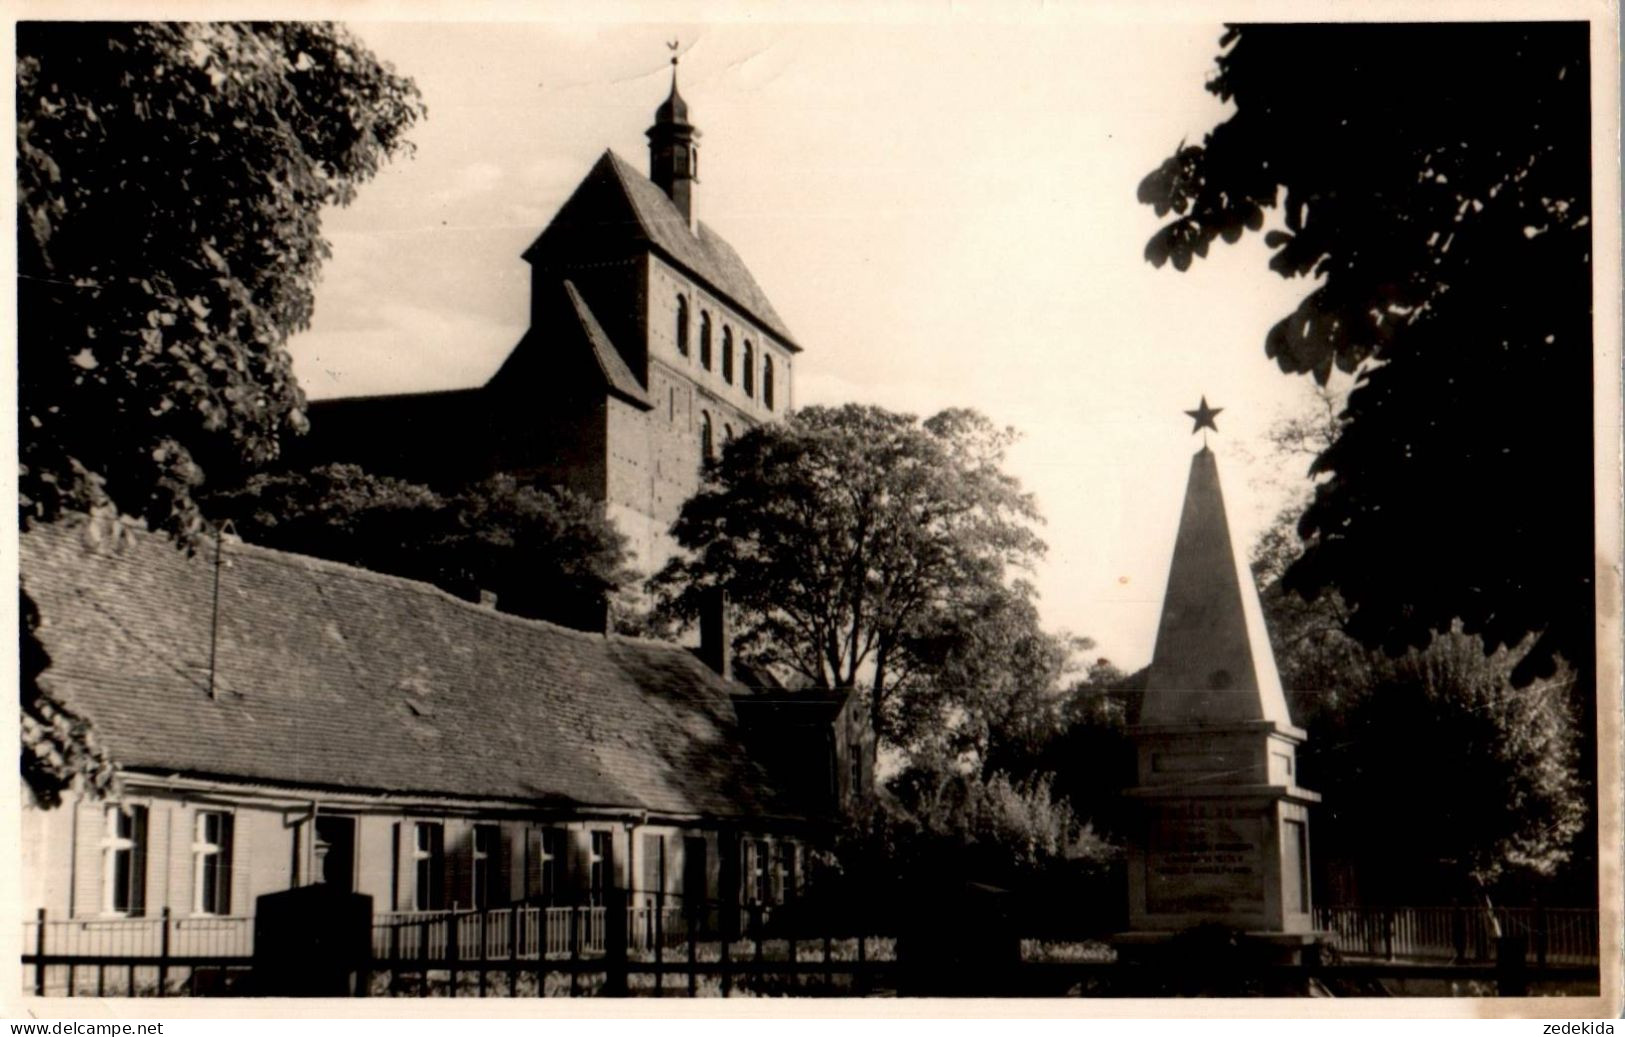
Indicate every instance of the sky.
{"type": "Point", "coordinates": [941, 207]}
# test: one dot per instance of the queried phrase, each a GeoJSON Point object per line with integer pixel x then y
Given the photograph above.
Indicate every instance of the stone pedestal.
{"type": "Point", "coordinates": [1223, 832]}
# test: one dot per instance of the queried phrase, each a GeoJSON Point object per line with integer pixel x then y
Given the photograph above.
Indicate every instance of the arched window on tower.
{"type": "Point", "coordinates": [707, 438]}
{"type": "Point", "coordinates": [727, 433]}
{"type": "Point", "coordinates": [767, 381]}
{"type": "Point", "coordinates": [705, 340]}
{"type": "Point", "coordinates": [682, 324]}
{"type": "Point", "coordinates": [747, 377]}
{"type": "Point", "coordinates": [727, 354]}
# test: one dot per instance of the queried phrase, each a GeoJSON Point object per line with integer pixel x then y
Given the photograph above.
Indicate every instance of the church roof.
{"type": "Point", "coordinates": [333, 677]}
{"type": "Point", "coordinates": [615, 199]}
{"type": "Point", "coordinates": [618, 378]}
{"type": "Point", "coordinates": [1213, 663]}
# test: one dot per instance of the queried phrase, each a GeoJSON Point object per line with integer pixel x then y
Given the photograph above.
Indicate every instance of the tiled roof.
{"type": "Point", "coordinates": [330, 676]}
{"type": "Point", "coordinates": [617, 376]}
{"type": "Point", "coordinates": [641, 208]}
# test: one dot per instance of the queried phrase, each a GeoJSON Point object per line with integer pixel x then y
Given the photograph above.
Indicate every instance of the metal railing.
{"type": "Point", "coordinates": [524, 932]}
{"type": "Point", "coordinates": [1556, 936]}
{"type": "Point", "coordinates": [197, 936]}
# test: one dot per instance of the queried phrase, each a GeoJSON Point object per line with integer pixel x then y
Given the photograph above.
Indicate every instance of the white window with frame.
{"type": "Point", "coordinates": [784, 871]}
{"type": "Point", "coordinates": [211, 862]}
{"type": "Point", "coordinates": [428, 866]}
{"type": "Point", "coordinates": [124, 861]}
{"type": "Point", "coordinates": [760, 860]}
{"type": "Point", "coordinates": [487, 870]}
{"type": "Point", "coordinates": [548, 846]}
{"type": "Point", "coordinates": [598, 868]}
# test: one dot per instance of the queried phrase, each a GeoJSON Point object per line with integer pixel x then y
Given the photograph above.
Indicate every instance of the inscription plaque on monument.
{"type": "Point", "coordinates": [1205, 857]}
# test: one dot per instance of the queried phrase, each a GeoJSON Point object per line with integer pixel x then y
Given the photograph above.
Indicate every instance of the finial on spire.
{"type": "Point", "coordinates": [672, 46]}
{"type": "Point", "coordinates": [1203, 416]}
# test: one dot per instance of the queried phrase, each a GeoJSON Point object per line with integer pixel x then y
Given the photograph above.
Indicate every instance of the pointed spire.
{"type": "Point", "coordinates": [1213, 663]}
{"type": "Point", "coordinates": [675, 109]}
{"type": "Point", "coordinates": [674, 157]}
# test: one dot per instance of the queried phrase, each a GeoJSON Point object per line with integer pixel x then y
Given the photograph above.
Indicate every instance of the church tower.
{"type": "Point", "coordinates": [1224, 826]}
{"type": "Point", "coordinates": [650, 346]}
{"type": "Point", "coordinates": [674, 157]}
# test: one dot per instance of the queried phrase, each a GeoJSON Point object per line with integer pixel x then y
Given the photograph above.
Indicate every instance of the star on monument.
{"type": "Point", "coordinates": [1204, 416]}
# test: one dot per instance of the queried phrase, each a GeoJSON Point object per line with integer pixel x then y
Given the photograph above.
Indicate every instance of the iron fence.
{"type": "Point", "coordinates": [1461, 933]}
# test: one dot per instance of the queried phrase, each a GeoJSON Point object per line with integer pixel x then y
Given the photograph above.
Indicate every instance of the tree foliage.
{"type": "Point", "coordinates": [939, 826]}
{"type": "Point", "coordinates": [544, 552]}
{"type": "Point", "coordinates": [988, 688]}
{"type": "Point", "coordinates": [170, 185]}
{"type": "Point", "coordinates": [170, 180]}
{"type": "Point", "coordinates": [59, 748]}
{"type": "Point", "coordinates": [1438, 773]}
{"type": "Point", "coordinates": [1433, 181]}
{"type": "Point", "coordinates": [846, 537]}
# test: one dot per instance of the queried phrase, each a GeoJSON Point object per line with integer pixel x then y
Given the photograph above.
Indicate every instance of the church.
{"type": "Point", "coordinates": [650, 345]}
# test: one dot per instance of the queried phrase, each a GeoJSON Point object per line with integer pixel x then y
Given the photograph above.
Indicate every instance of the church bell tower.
{"type": "Point", "coordinates": [674, 157]}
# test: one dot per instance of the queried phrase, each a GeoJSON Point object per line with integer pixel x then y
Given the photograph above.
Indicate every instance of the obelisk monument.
{"type": "Point", "coordinates": [1223, 835]}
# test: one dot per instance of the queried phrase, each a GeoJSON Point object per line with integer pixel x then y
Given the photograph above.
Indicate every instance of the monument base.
{"type": "Point", "coordinates": [1270, 947]}
{"type": "Point", "coordinates": [1211, 961]}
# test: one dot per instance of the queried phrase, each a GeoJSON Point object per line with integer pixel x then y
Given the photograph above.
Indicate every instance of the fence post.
{"type": "Point", "coordinates": [513, 951]}
{"type": "Point", "coordinates": [757, 924]}
{"type": "Point", "coordinates": [693, 947]}
{"type": "Point", "coordinates": [1541, 939]}
{"type": "Point", "coordinates": [575, 949]}
{"type": "Point", "coordinates": [423, 955]}
{"type": "Point", "coordinates": [660, 940]}
{"type": "Point", "coordinates": [453, 951]}
{"type": "Point", "coordinates": [861, 980]}
{"type": "Point", "coordinates": [163, 953]}
{"type": "Point", "coordinates": [829, 970]}
{"type": "Point", "coordinates": [617, 936]}
{"type": "Point", "coordinates": [1459, 932]}
{"type": "Point", "coordinates": [394, 956]}
{"type": "Point", "coordinates": [39, 955]}
{"type": "Point", "coordinates": [1511, 967]}
{"type": "Point", "coordinates": [723, 940]}
{"type": "Point", "coordinates": [795, 974]}
{"type": "Point", "coordinates": [485, 951]}
{"type": "Point", "coordinates": [1388, 933]}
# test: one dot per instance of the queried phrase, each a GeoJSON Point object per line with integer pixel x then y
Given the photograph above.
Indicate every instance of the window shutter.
{"type": "Point", "coordinates": [222, 861]}
{"type": "Point", "coordinates": [653, 852]}
{"type": "Point", "coordinates": [395, 869]}
{"type": "Point", "coordinates": [437, 868]}
{"type": "Point", "coordinates": [138, 861]}
{"type": "Point", "coordinates": [507, 838]}
{"type": "Point", "coordinates": [533, 862]}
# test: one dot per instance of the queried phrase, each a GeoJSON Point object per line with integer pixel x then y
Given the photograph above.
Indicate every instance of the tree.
{"type": "Point", "coordinates": [170, 185]}
{"type": "Point", "coordinates": [845, 535]}
{"type": "Point", "coordinates": [343, 513]}
{"type": "Point", "coordinates": [1091, 753]}
{"type": "Point", "coordinates": [544, 552]}
{"type": "Point", "coordinates": [1397, 745]}
{"type": "Point", "coordinates": [938, 826]}
{"type": "Point", "coordinates": [1434, 181]}
{"type": "Point", "coordinates": [170, 180]}
{"type": "Point", "coordinates": [987, 687]}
